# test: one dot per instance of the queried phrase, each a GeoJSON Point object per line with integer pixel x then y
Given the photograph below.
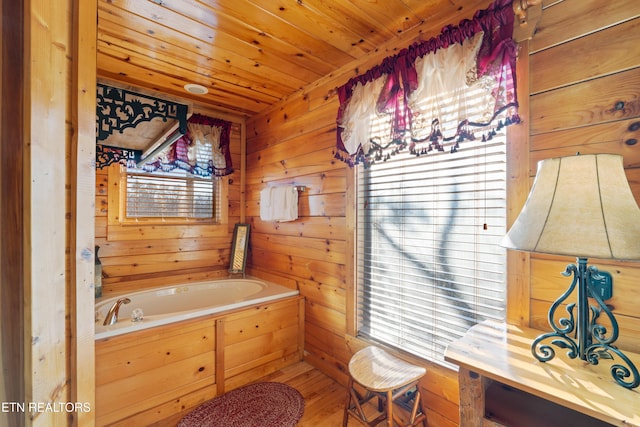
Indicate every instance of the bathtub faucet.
{"type": "Point", "coordinates": [112, 314]}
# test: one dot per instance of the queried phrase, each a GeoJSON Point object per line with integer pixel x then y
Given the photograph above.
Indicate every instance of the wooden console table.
{"type": "Point", "coordinates": [502, 384]}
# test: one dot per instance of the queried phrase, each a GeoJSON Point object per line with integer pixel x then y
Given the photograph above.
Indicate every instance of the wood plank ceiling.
{"type": "Point", "coordinates": [249, 54]}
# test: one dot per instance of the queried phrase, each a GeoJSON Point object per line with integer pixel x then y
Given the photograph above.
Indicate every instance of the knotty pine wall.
{"type": "Point", "coordinates": [583, 87]}
{"type": "Point", "coordinates": [136, 259]}
{"type": "Point", "coordinates": [12, 141]}
{"type": "Point", "coordinates": [47, 123]}
{"type": "Point", "coordinates": [585, 97]}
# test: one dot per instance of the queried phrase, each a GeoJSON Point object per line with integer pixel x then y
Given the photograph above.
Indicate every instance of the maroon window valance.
{"type": "Point", "coordinates": [225, 137]}
{"type": "Point", "coordinates": [203, 151]}
{"type": "Point", "coordinates": [399, 97]}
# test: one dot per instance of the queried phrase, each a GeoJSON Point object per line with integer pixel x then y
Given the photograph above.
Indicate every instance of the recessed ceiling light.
{"type": "Point", "coordinates": [196, 89]}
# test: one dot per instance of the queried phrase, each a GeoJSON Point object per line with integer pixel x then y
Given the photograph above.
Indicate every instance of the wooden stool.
{"type": "Point", "coordinates": [391, 380]}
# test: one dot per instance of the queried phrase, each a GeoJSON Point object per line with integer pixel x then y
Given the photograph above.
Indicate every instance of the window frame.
{"type": "Point", "coordinates": [215, 219]}
{"type": "Point", "coordinates": [120, 224]}
{"type": "Point", "coordinates": [413, 165]}
{"type": "Point", "coordinates": [518, 182]}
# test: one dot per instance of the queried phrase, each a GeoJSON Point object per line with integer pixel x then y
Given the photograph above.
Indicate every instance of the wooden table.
{"type": "Point", "coordinates": [502, 384]}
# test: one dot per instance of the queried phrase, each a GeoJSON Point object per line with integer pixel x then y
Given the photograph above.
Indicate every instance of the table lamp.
{"type": "Point", "coordinates": [582, 206]}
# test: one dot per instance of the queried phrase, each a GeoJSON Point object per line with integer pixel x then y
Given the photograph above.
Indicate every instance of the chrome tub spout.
{"type": "Point", "coordinates": [112, 314]}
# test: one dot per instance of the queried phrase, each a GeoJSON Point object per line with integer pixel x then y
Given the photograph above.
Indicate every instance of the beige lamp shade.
{"type": "Point", "coordinates": [580, 206]}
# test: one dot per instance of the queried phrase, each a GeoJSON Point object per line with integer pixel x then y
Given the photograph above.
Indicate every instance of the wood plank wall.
{"type": "Point", "coordinates": [134, 262]}
{"type": "Point", "coordinates": [81, 185]}
{"type": "Point", "coordinates": [584, 64]}
{"type": "Point", "coordinates": [47, 170]}
{"type": "Point", "coordinates": [52, 147]}
{"type": "Point", "coordinates": [293, 143]}
{"type": "Point", "coordinates": [12, 141]}
{"type": "Point", "coordinates": [585, 97]}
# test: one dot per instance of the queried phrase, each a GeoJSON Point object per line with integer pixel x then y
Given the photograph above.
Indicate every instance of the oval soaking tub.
{"type": "Point", "coordinates": [161, 306]}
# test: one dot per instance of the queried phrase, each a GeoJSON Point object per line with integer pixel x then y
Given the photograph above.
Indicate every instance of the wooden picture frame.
{"type": "Point", "coordinates": [239, 247]}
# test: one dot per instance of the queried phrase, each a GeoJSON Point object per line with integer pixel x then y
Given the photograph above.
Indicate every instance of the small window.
{"type": "Point", "coordinates": [171, 196]}
{"type": "Point", "coordinates": [140, 202]}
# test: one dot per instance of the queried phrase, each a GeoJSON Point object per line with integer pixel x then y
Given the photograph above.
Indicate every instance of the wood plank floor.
{"type": "Point", "coordinates": [324, 397]}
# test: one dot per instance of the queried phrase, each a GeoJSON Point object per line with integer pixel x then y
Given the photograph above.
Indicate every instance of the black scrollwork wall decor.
{"type": "Point", "coordinates": [107, 155]}
{"type": "Point", "coordinates": [118, 109]}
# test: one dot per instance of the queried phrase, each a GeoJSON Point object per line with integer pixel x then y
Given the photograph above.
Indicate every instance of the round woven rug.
{"type": "Point", "coordinates": [268, 404]}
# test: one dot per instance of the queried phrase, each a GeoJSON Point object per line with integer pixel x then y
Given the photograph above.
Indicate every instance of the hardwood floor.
{"type": "Point", "coordinates": [324, 398]}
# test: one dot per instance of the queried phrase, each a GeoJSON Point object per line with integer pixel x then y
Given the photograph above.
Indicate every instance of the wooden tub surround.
{"type": "Point", "coordinates": [502, 384]}
{"type": "Point", "coordinates": [161, 373]}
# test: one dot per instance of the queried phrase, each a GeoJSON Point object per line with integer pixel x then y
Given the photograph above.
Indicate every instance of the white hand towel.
{"type": "Point", "coordinates": [265, 204]}
{"type": "Point", "coordinates": [290, 207]}
{"type": "Point", "coordinates": [279, 203]}
{"type": "Point", "coordinates": [284, 203]}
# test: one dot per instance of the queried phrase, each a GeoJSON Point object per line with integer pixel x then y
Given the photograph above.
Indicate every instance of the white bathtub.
{"type": "Point", "coordinates": [161, 306]}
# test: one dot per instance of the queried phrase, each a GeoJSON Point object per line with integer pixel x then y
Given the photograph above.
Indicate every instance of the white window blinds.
{"type": "Point", "coordinates": [157, 196]}
{"type": "Point", "coordinates": [429, 261]}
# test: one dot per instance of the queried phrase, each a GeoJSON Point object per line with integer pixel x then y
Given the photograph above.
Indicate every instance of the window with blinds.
{"type": "Point", "coordinates": [171, 196]}
{"type": "Point", "coordinates": [429, 263]}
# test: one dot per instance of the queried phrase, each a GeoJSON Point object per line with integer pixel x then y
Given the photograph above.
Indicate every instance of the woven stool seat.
{"type": "Point", "coordinates": [391, 380]}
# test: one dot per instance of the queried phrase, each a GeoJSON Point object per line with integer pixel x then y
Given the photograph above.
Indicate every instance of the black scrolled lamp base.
{"type": "Point", "coordinates": [591, 342]}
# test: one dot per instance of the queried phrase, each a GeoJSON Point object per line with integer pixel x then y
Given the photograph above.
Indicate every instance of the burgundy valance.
{"type": "Point", "coordinates": [394, 96]}
{"type": "Point", "coordinates": [225, 135]}
{"type": "Point", "coordinates": [203, 151]}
